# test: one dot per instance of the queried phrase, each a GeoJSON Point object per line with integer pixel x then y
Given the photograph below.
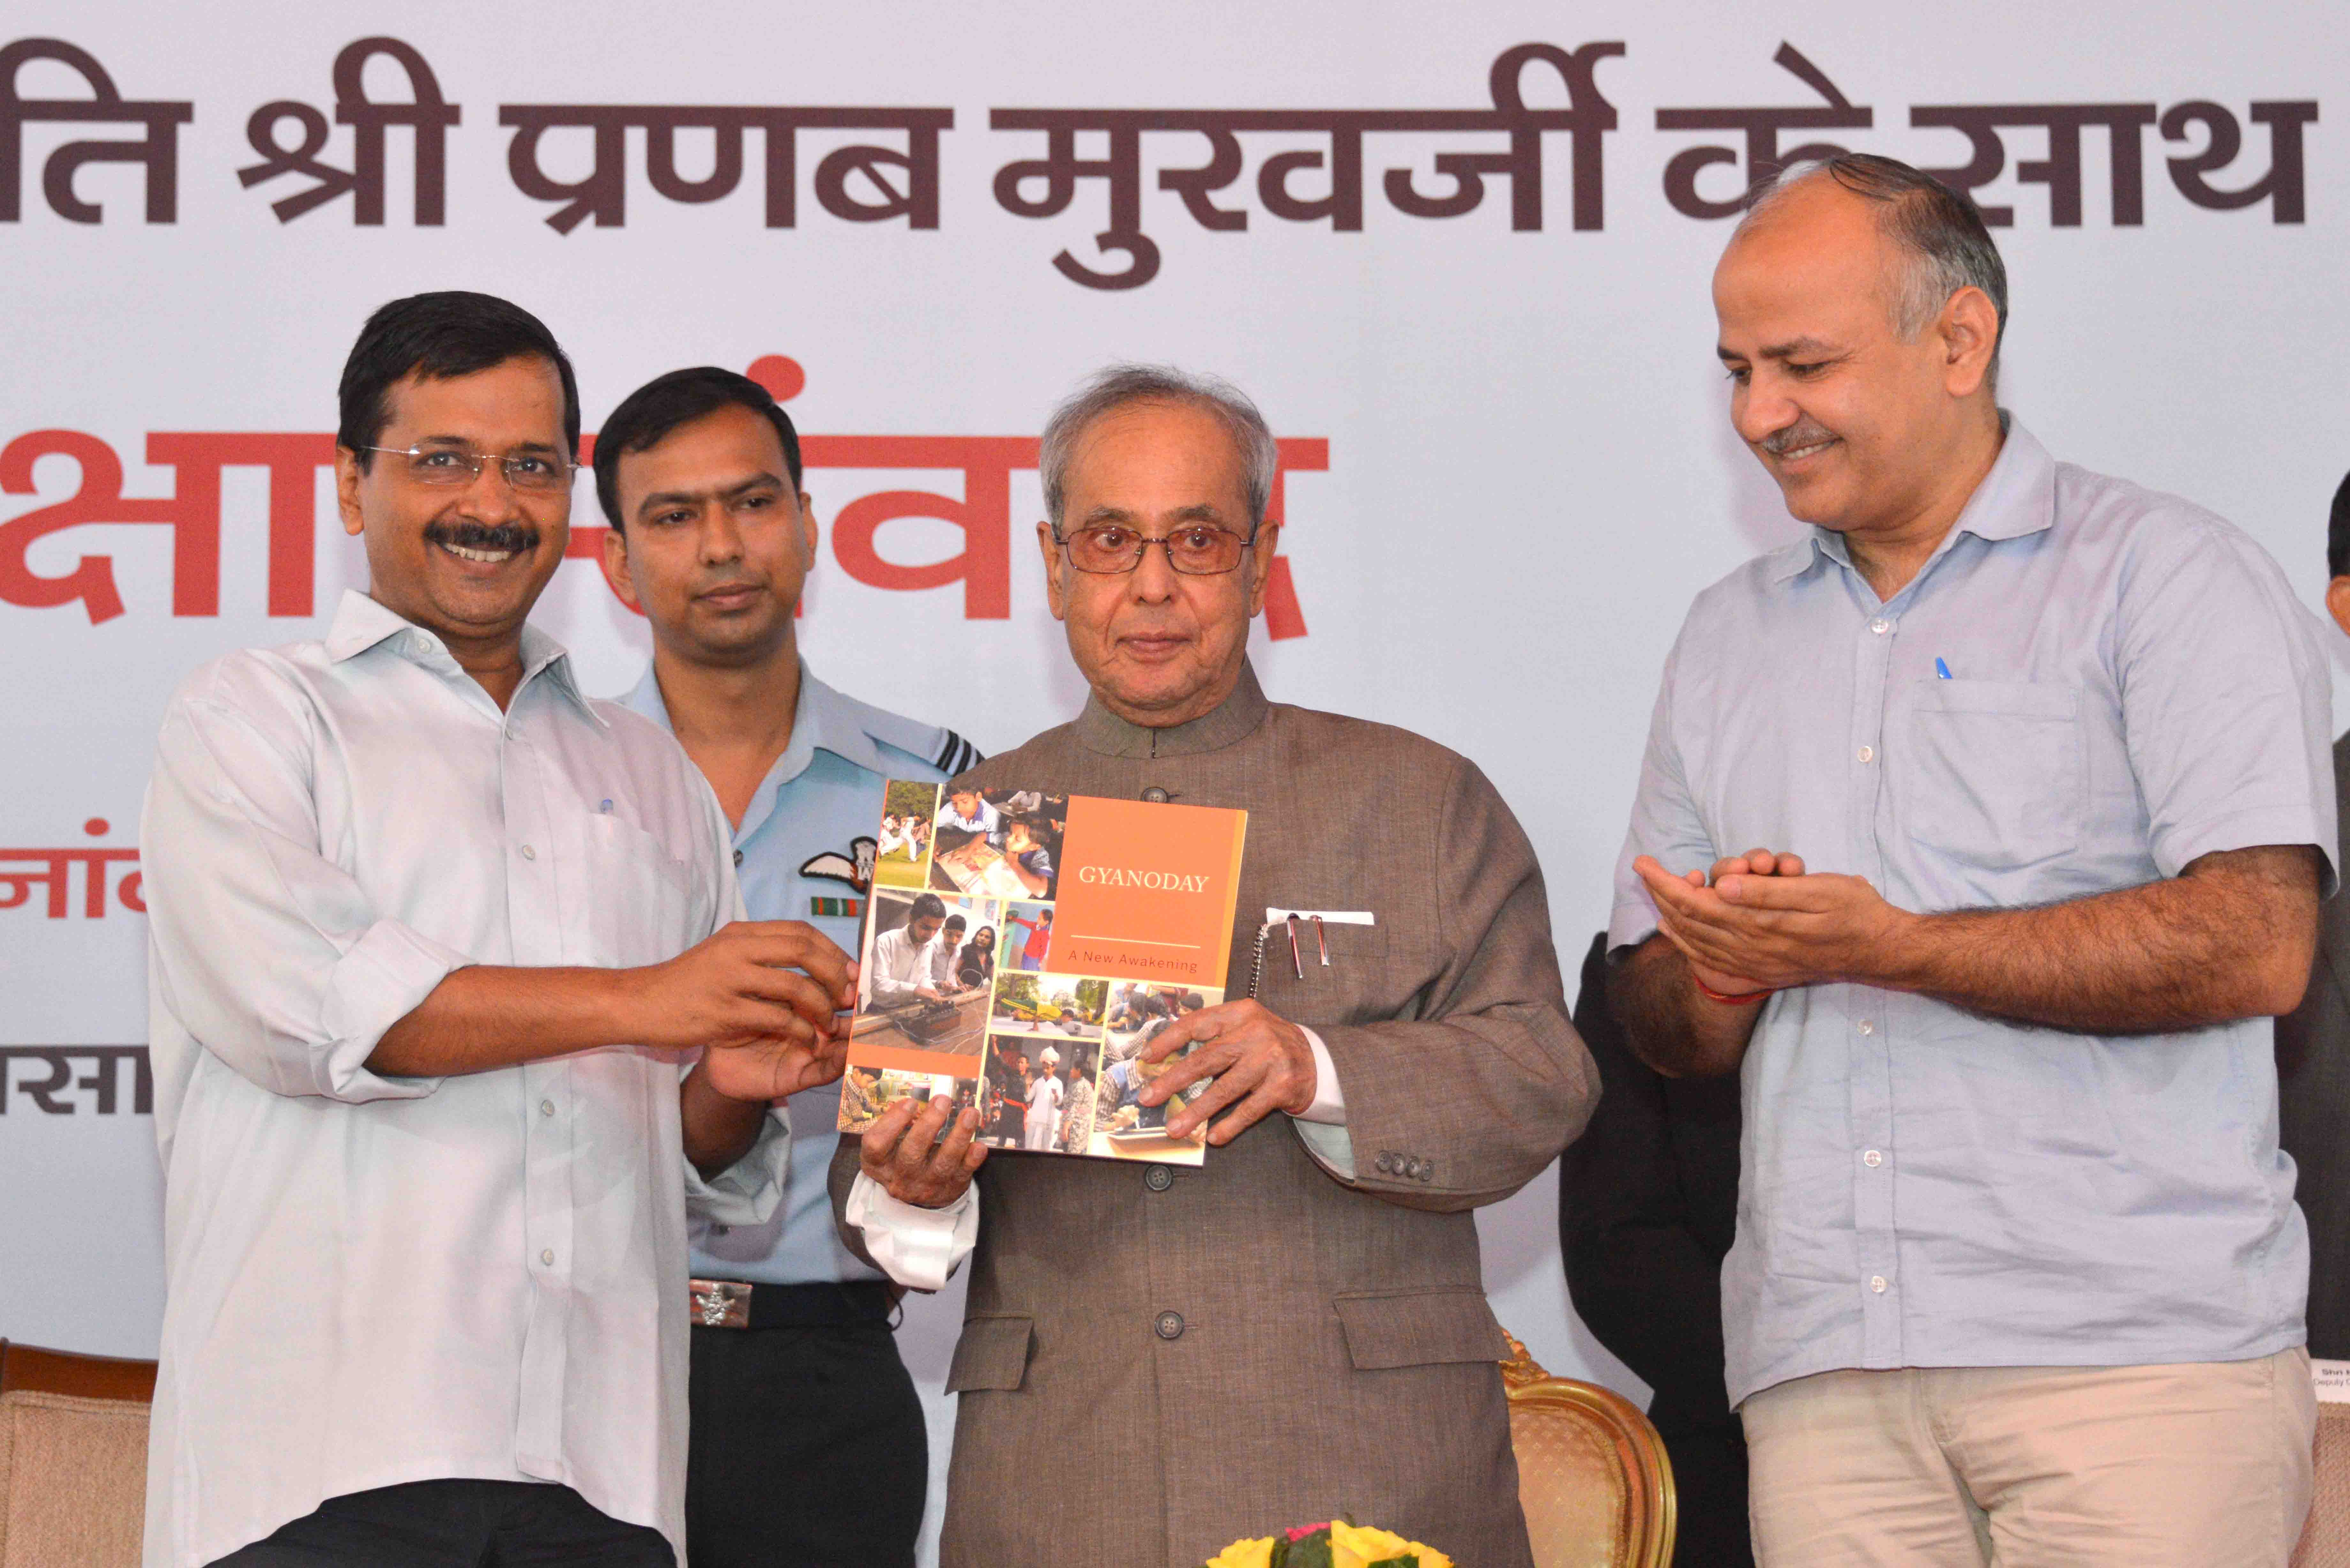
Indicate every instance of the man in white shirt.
{"type": "Point", "coordinates": [436, 943]}
{"type": "Point", "coordinates": [946, 952]}
{"type": "Point", "coordinates": [901, 955]}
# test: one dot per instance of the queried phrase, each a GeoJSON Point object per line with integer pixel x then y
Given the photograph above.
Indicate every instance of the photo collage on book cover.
{"type": "Point", "coordinates": [959, 995]}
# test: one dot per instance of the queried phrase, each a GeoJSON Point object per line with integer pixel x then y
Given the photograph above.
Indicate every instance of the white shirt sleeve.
{"type": "Point", "coordinates": [745, 1192]}
{"type": "Point", "coordinates": [1330, 1106]}
{"type": "Point", "coordinates": [918, 1248]}
{"type": "Point", "coordinates": [895, 974]}
{"type": "Point", "coordinates": [1322, 1125]}
{"type": "Point", "coordinates": [262, 948]}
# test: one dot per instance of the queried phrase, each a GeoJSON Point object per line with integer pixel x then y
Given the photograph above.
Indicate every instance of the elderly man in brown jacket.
{"type": "Point", "coordinates": [1156, 1360]}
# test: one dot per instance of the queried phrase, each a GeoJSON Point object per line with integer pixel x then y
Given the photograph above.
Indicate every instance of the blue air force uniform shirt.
{"type": "Point", "coordinates": [795, 855]}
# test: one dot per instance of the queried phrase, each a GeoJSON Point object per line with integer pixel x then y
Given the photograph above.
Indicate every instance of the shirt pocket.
{"type": "Point", "coordinates": [1997, 776]}
{"type": "Point", "coordinates": [640, 900]}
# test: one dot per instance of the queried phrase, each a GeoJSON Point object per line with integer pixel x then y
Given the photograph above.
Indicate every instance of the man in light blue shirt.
{"type": "Point", "coordinates": [2039, 763]}
{"type": "Point", "coordinates": [806, 1443]}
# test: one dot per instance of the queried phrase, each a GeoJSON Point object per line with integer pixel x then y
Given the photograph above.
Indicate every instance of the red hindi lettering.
{"type": "Point", "coordinates": [984, 513]}
{"type": "Point", "coordinates": [192, 512]}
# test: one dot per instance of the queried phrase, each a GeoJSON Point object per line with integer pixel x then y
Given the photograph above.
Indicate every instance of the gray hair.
{"type": "Point", "coordinates": [1113, 388]}
{"type": "Point", "coordinates": [1938, 232]}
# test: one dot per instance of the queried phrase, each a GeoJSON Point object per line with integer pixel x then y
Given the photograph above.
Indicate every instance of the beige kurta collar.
{"type": "Point", "coordinates": [1235, 720]}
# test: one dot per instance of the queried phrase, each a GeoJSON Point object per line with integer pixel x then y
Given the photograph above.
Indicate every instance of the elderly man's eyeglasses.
{"type": "Point", "coordinates": [540, 472]}
{"type": "Point", "coordinates": [1196, 550]}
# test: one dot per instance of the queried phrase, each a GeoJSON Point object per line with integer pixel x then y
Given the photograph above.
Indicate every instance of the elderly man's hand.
{"type": "Point", "coordinates": [1762, 926]}
{"type": "Point", "coordinates": [1259, 1061]}
{"type": "Point", "coordinates": [903, 1152]}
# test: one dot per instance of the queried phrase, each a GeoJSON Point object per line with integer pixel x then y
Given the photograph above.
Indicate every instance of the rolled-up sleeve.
{"type": "Point", "coordinates": [745, 1192]}
{"type": "Point", "coordinates": [1665, 823]}
{"type": "Point", "coordinates": [2228, 703]}
{"type": "Point", "coordinates": [264, 949]}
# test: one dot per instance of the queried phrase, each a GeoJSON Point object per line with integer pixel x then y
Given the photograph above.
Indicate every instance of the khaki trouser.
{"type": "Point", "coordinates": [2199, 1465]}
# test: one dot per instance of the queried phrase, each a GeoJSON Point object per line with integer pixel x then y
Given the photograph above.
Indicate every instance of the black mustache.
{"type": "Point", "coordinates": [515, 536]}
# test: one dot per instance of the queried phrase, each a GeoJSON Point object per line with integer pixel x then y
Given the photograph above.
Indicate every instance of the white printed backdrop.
{"type": "Point", "coordinates": [1511, 465]}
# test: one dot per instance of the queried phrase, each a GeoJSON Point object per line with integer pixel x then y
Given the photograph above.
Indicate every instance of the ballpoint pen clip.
{"type": "Point", "coordinates": [1322, 941]}
{"type": "Point", "coordinates": [1297, 959]}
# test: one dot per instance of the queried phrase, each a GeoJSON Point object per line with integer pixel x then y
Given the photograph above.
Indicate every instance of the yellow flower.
{"type": "Point", "coordinates": [1354, 1545]}
{"type": "Point", "coordinates": [1244, 1554]}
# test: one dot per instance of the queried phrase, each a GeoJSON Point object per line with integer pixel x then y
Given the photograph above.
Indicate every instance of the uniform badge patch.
{"type": "Point", "coordinates": [855, 868]}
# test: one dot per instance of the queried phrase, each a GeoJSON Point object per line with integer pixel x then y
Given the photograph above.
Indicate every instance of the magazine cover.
{"type": "Point", "coordinates": [1020, 951]}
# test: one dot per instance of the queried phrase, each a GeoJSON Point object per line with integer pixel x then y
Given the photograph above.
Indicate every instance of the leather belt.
{"type": "Point", "coordinates": [734, 1303]}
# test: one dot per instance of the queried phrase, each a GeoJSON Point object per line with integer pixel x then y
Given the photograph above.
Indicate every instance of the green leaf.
{"type": "Point", "coordinates": [1408, 1560]}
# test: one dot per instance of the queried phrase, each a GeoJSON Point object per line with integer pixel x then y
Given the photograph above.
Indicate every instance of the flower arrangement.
{"type": "Point", "coordinates": [1337, 1544]}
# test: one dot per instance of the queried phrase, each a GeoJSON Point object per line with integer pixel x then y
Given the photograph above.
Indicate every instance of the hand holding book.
{"type": "Point", "coordinates": [1251, 1060]}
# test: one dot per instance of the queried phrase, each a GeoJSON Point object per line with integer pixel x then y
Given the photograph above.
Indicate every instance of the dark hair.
{"type": "Point", "coordinates": [955, 922]}
{"type": "Point", "coordinates": [928, 906]}
{"type": "Point", "coordinates": [647, 415]}
{"type": "Point", "coordinates": [2337, 532]}
{"type": "Point", "coordinates": [439, 338]}
{"type": "Point", "coordinates": [1939, 232]}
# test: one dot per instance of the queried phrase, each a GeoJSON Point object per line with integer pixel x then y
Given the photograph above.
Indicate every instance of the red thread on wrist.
{"type": "Point", "coordinates": [1729, 1000]}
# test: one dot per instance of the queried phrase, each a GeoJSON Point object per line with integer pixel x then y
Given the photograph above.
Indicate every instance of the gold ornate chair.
{"type": "Point", "coordinates": [1592, 1473]}
{"type": "Point", "coordinates": [73, 1458]}
{"type": "Point", "coordinates": [2325, 1540]}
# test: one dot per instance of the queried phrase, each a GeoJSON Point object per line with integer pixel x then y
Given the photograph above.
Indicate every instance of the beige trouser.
{"type": "Point", "coordinates": [2199, 1466]}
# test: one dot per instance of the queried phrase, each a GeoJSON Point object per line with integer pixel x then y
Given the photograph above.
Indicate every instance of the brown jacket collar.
{"type": "Point", "coordinates": [1232, 720]}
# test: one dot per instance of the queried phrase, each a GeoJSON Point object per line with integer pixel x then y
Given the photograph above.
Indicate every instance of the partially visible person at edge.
{"type": "Point", "coordinates": [2312, 1045]}
{"type": "Point", "coordinates": [976, 967]}
{"type": "Point", "coordinates": [1315, 1284]}
{"type": "Point", "coordinates": [807, 1444]}
{"type": "Point", "coordinates": [1983, 829]}
{"type": "Point", "coordinates": [1648, 1203]}
{"type": "Point", "coordinates": [432, 933]}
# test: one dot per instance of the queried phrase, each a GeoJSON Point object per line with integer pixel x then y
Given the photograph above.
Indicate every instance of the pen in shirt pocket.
{"type": "Point", "coordinates": [1941, 670]}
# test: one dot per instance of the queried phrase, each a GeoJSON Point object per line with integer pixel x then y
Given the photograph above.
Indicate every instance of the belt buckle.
{"type": "Point", "coordinates": [720, 1303]}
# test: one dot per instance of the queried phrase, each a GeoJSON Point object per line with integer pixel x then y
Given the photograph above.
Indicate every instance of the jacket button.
{"type": "Point", "coordinates": [1170, 1326]}
{"type": "Point", "coordinates": [1159, 1179]}
{"type": "Point", "coordinates": [1427, 1171]}
{"type": "Point", "coordinates": [1155, 796]}
{"type": "Point", "coordinates": [1385, 1163]}
{"type": "Point", "coordinates": [738, 858]}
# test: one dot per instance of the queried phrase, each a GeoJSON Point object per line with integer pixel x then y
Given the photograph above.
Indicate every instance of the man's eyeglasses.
{"type": "Point", "coordinates": [1196, 550]}
{"type": "Point", "coordinates": [536, 472]}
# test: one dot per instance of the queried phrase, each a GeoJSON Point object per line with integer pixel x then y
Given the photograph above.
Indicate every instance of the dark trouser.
{"type": "Point", "coordinates": [457, 1524]}
{"type": "Point", "coordinates": [1709, 1476]}
{"type": "Point", "coordinates": [807, 1449]}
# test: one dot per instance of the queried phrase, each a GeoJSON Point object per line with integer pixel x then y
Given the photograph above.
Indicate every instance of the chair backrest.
{"type": "Point", "coordinates": [1592, 1477]}
{"type": "Point", "coordinates": [2326, 1539]}
{"type": "Point", "coordinates": [73, 1458]}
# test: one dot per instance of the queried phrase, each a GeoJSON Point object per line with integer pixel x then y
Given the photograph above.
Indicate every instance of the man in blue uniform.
{"type": "Point", "coordinates": [806, 1447]}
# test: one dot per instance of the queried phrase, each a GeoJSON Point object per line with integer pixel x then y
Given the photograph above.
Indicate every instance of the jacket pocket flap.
{"type": "Point", "coordinates": [1420, 1328]}
{"type": "Point", "coordinates": [992, 1353]}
